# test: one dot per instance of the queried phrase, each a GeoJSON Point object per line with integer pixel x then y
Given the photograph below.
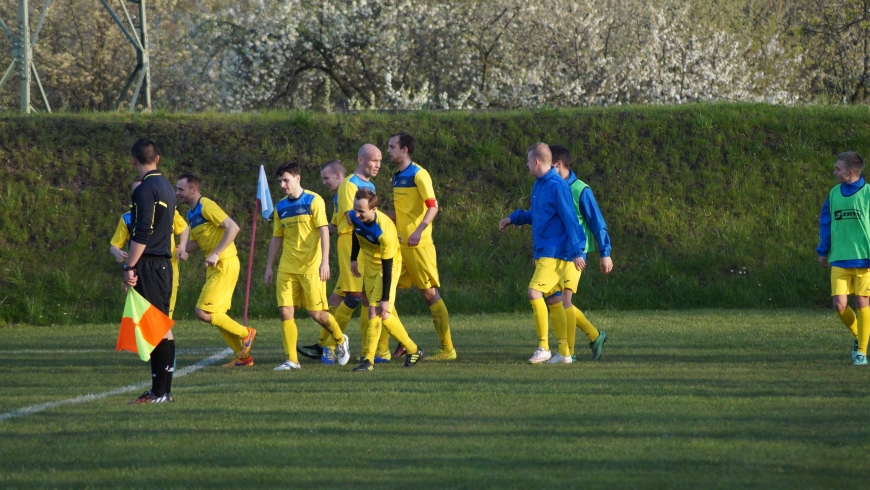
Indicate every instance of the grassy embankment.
{"type": "Point", "coordinates": [708, 205]}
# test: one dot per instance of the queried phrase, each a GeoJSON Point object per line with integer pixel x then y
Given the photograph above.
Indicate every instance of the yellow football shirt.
{"type": "Point", "coordinates": [412, 187]}
{"type": "Point", "coordinates": [299, 221]}
{"type": "Point", "coordinates": [205, 227]}
{"type": "Point", "coordinates": [122, 232]}
{"type": "Point", "coordinates": [377, 240]}
{"type": "Point", "coordinates": [346, 193]}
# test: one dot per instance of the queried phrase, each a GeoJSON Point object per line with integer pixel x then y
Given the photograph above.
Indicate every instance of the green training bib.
{"type": "Point", "coordinates": [577, 188]}
{"type": "Point", "coordinates": [850, 224]}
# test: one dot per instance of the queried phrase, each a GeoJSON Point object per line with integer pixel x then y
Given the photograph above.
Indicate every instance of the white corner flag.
{"type": "Point", "coordinates": [265, 198]}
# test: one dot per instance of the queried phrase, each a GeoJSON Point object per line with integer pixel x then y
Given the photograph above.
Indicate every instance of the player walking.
{"type": "Point", "coordinates": [376, 240]}
{"type": "Point", "coordinates": [300, 225]}
{"type": "Point", "coordinates": [558, 249]}
{"type": "Point", "coordinates": [844, 243]}
{"type": "Point", "coordinates": [416, 208]}
{"type": "Point", "coordinates": [213, 231]}
{"type": "Point", "coordinates": [595, 229]}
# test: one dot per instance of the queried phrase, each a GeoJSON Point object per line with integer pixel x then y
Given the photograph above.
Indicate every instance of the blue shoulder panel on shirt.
{"type": "Point", "coordinates": [128, 221]}
{"type": "Point", "coordinates": [371, 232]}
{"type": "Point", "coordinates": [287, 208]}
{"type": "Point", "coordinates": [405, 178]}
{"type": "Point", "coordinates": [361, 184]}
{"type": "Point", "coordinates": [195, 217]}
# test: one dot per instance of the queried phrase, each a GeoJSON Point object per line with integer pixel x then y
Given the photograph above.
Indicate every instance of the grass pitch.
{"type": "Point", "coordinates": [711, 398]}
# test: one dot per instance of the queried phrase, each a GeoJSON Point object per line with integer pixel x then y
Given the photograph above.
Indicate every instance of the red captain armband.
{"type": "Point", "coordinates": [431, 203]}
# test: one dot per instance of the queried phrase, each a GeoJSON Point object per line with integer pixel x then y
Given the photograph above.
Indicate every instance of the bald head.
{"type": "Point", "coordinates": [368, 161]}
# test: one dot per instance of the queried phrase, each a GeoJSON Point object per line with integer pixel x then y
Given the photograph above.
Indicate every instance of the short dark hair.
{"type": "Point", "coordinates": [291, 168]}
{"type": "Point", "coordinates": [145, 151]}
{"type": "Point", "coordinates": [369, 196]}
{"type": "Point", "coordinates": [190, 178]}
{"type": "Point", "coordinates": [852, 160]}
{"type": "Point", "coordinates": [334, 166]}
{"type": "Point", "coordinates": [560, 153]}
{"type": "Point", "coordinates": [405, 141]}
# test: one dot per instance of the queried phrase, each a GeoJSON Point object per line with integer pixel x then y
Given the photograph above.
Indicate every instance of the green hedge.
{"type": "Point", "coordinates": [707, 205]}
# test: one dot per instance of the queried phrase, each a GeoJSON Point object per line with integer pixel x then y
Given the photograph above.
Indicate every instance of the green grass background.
{"type": "Point", "coordinates": [681, 399]}
{"type": "Point", "coordinates": [707, 205]}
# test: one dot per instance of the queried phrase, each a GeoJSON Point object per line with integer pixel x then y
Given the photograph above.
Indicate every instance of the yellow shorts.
{"type": "Point", "coordinates": [174, 287]}
{"type": "Point", "coordinates": [419, 267]}
{"type": "Point", "coordinates": [301, 291]}
{"type": "Point", "coordinates": [373, 283]}
{"type": "Point", "coordinates": [220, 283]}
{"type": "Point", "coordinates": [347, 282]}
{"type": "Point", "coordinates": [554, 275]}
{"type": "Point", "coordinates": [850, 281]}
{"type": "Point", "coordinates": [567, 285]}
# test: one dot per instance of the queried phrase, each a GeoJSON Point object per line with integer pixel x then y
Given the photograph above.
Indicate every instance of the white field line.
{"type": "Point", "coordinates": [180, 352]}
{"type": "Point", "coordinates": [21, 412]}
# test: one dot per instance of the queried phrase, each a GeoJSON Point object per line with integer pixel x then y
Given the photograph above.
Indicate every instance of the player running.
{"type": "Point", "coordinates": [125, 229]}
{"type": "Point", "coordinates": [416, 208]}
{"type": "Point", "coordinates": [844, 243]}
{"type": "Point", "coordinates": [300, 225]}
{"type": "Point", "coordinates": [595, 229]}
{"type": "Point", "coordinates": [348, 288]}
{"type": "Point", "coordinates": [376, 240]}
{"type": "Point", "coordinates": [213, 231]}
{"type": "Point", "coordinates": [558, 242]}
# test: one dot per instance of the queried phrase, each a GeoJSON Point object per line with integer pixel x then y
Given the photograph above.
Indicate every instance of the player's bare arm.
{"type": "Point", "coordinates": [231, 229]}
{"type": "Point", "coordinates": [504, 224]}
{"type": "Point", "coordinates": [324, 248]}
{"type": "Point", "coordinates": [183, 238]}
{"type": "Point", "coordinates": [606, 265]}
{"type": "Point", "coordinates": [428, 218]}
{"type": "Point", "coordinates": [274, 248]}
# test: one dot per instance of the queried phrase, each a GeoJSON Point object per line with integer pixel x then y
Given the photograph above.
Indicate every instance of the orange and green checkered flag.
{"type": "Point", "coordinates": [143, 326]}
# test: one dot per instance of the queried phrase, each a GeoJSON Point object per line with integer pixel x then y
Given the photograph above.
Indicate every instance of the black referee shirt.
{"type": "Point", "coordinates": [152, 214]}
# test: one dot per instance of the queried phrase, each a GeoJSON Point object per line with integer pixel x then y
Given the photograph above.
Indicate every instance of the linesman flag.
{"type": "Point", "coordinates": [264, 196]}
{"type": "Point", "coordinates": [143, 326]}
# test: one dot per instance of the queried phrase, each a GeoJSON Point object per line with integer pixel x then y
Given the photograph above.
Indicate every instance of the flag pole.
{"type": "Point", "coordinates": [251, 262]}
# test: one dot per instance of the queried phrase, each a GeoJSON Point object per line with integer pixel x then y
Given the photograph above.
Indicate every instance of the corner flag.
{"type": "Point", "coordinates": [264, 196]}
{"type": "Point", "coordinates": [143, 326]}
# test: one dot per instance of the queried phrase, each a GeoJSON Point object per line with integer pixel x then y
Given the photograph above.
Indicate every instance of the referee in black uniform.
{"type": "Point", "coordinates": [148, 269]}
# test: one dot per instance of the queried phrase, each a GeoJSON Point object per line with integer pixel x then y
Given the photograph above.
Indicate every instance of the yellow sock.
{"type": "Point", "coordinates": [384, 340]}
{"type": "Point", "coordinates": [373, 333]}
{"type": "Point", "coordinates": [324, 337]}
{"type": "Point", "coordinates": [560, 327]}
{"type": "Point", "coordinates": [395, 328]}
{"type": "Point", "coordinates": [290, 335]}
{"type": "Point", "coordinates": [863, 329]}
{"type": "Point", "coordinates": [849, 320]}
{"type": "Point", "coordinates": [233, 341]}
{"type": "Point", "coordinates": [539, 311]}
{"type": "Point", "coordinates": [333, 328]}
{"type": "Point", "coordinates": [364, 328]}
{"type": "Point", "coordinates": [572, 331]}
{"type": "Point", "coordinates": [585, 325]}
{"type": "Point", "coordinates": [224, 322]}
{"type": "Point", "coordinates": [441, 320]}
{"type": "Point", "coordinates": [343, 313]}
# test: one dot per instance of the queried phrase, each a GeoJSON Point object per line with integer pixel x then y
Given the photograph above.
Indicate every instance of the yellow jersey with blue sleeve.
{"type": "Point", "coordinates": [125, 230]}
{"type": "Point", "coordinates": [378, 242]}
{"type": "Point", "coordinates": [299, 221]}
{"type": "Point", "coordinates": [346, 193]}
{"type": "Point", "coordinates": [412, 196]}
{"type": "Point", "coordinates": [205, 227]}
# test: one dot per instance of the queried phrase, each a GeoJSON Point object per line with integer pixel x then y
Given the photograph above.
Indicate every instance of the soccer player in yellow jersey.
{"type": "Point", "coordinates": [348, 289]}
{"type": "Point", "coordinates": [300, 226]}
{"type": "Point", "coordinates": [213, 231]}
{"type": "Point", "coordinates": [125, 229]}
{"type": "Point", "coordinates": [375, 239]}
{"type": "Point", "coordinates": [416, 208]}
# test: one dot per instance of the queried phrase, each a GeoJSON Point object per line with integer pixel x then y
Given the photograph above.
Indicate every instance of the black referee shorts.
{"type": "Point", "coordinates": [155, 281]}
